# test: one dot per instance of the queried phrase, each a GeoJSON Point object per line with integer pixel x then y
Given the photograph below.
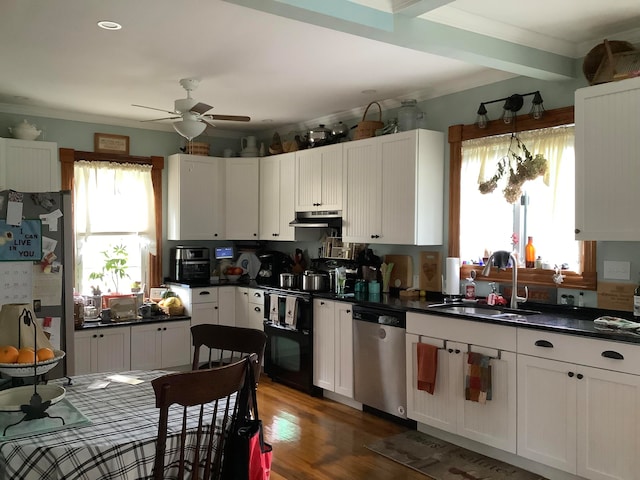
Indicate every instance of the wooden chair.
{"type": "Point", "coordinates": [197, 444]}
{"type": "Point", "coordinates": [227, 344]}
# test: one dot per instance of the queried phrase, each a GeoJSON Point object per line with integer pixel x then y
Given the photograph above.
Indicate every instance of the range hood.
{"type": "Point", "coordinates": [319, 219]}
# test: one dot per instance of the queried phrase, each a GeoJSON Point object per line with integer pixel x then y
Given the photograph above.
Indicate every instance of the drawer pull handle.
{"type": "Point", "coordinates": [570, 374]}
{"type": "Point", "coordinates": [580, 376]}
{"type": "Point", "coordinates": [206, 292]}
{"type": "Point", "coordinates": [612, 354]}
{"type": "Point", "coordinates": [257, 309]}
{"type": "Point", "coordinates": [543, 343]}
{"type": "Point", "coordinates": [457, 351]}
{"type": "Point", "coordinates": [450, 350]}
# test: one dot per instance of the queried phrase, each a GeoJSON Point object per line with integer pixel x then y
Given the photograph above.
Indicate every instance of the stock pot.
{"type": "Point", "coordinates": [288, 280]}
{"type": "Point", "coordinates": [314, 282]}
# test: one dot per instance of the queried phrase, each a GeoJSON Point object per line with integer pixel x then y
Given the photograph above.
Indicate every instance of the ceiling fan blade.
{"type": "Point", "coordinates": [158, 109]}
{"type": "Point", "coordinates": [158, 119]}
{"type": "Point", "coordinates": [208, 121]}
{"type": "Point", "coordinates": [200, 108]}
{"type": "Point", "coordinates": [233, 118]}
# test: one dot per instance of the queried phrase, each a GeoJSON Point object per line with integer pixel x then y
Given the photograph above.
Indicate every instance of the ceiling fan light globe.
{"type": "Point", "coordinates": [189, 129]}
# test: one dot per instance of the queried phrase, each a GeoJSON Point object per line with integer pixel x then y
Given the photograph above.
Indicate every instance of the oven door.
{"type": "Point", "coordinates": [289, 357]}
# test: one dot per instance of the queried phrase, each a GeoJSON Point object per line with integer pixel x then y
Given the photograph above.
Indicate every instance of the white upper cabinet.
{"type": "Point", "coordinates": [318, 181]}
{"type": "Point", "coordinates": [195, 198]}
{"type": "Point", "coordinates": [607, 167]}
{"type": "Point", "coordinates": [277, 197]}
{"type": "Point", "coordinates": [394, 188]}
{"type": "Point", "coordinates": [29, 166]}
{"type": "Point", "coordinates": [242, 187]}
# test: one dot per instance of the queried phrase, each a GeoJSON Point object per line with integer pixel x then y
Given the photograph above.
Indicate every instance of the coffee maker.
{"type": "Point", "coordinates": [272, 264]}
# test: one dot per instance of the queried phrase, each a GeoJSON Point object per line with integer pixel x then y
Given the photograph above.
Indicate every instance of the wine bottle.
{"type": "Point", "coordinates": [530, 254]}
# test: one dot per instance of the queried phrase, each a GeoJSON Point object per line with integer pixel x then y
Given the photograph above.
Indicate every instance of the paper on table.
{"type": "Point", "coordinates": [125, 379]}
{"type": "Point", "coordinates": [98, 384]}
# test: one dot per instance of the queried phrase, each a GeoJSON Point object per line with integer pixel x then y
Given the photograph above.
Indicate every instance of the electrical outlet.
{"type": "Point", "coordinates": [617, 270]}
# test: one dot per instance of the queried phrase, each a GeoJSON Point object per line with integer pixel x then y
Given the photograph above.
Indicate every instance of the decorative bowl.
{"type": "Point", "coordinates": [26, 369]}
{"type": "Point", "coordinates": [11, 399]}
{"type": "Point", "coordinates": [233, 278]}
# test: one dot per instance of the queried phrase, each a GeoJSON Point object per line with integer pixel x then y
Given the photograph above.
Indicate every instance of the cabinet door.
{"type": "Point", "coordinates": [344, 349]}
{"type": "Point", "coordinates": [361, 220]}
{"type": "Point", "coordinates": [439, 409]}
{"type": "Point", "coordinates": [195, 198]}
{"type": "Point", "coordinates": [146, 347]}
{"type": "Point", "coordinates": [242, 196]}
{"type": "Point", "coordinates": [29, 166]}
{"type": "Point", "coordinates": [175, 344]}
{"type": "Point", "coordinates": [494, 422]}
{"type": "Point", "coordinates": [318, 181]}
{"type": "Point", "coordinates": [82, 341]}
{"type": "Point", "coordinates": [608, 424]}
{"type": "Point", "coordinates": [227, 306]}
{"type": "Point", "coordinates": [324, 351]}
{"type": "Point", "coordinates": [287, 211]}
{"type": "Point", "coordinates": [547, 412]}
{"type": "Point", "coordinates": [607, 167]}
{"type": "Point", "coordinates": [113, 349]}
{"type": "Point", "coordinates": [270, 198]}
{"type": "Point", "coordinates": [242, 307]}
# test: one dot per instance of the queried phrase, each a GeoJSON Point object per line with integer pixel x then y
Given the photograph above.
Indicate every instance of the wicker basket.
{"type": "Point", "coordinates": [367, 128]}
{"type": "Point", "coordinates": [173, 310]}
{"type": "Point", "coordinates": [198, 148]}
{"type": "Point", "coordinates": [597, 66]}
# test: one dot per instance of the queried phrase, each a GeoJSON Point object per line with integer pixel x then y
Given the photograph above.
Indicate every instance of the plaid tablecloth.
{"type": "Point", "coordinates": [118, 444]}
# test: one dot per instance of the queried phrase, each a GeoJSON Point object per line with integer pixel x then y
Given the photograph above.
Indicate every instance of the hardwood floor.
{"type": "Point", "coordinates": [315, 438]}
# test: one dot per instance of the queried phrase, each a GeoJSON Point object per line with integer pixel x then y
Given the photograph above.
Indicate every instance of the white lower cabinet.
{"type": "Point", "coordinates": [492, 423]}
{"type": "Point", "coordinates": [160, 345]}
{"type": "Point", "coordinates": [255, 311]}
{"type": "Point", "coordinates": [333, 346]}
{"type": "Point", "coordinates": [227, 306]}
{"type": "Point", "coordinates": [102, 350]}
{"type": "Point", "coordinates": [583, 416]}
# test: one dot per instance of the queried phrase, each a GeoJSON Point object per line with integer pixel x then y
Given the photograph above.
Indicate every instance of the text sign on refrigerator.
{"type": "Point", "coordinates": [21, 243]}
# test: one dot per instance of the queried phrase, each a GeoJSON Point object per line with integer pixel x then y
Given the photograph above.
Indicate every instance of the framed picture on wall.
{"type": "Point", "coordinates": [107, 143]}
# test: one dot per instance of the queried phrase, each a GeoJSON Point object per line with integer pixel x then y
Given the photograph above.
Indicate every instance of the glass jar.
{"type": "Point", "coordinates": [408, 115]}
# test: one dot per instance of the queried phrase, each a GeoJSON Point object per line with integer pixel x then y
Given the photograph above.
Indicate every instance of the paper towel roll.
{"type": "Point", "coordinates": [452, 279]}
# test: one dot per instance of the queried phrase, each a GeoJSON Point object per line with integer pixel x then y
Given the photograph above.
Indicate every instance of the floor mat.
{"type": "Point", "coordinates": [444, 461]}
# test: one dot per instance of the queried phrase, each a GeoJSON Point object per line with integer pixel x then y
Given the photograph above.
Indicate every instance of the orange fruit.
{"type": "Point", "coordinates": [26, 355]}
{"type": "Point", "coordinates": [8, 354]}
{"type": "Point", "coordinates": [45, 354]}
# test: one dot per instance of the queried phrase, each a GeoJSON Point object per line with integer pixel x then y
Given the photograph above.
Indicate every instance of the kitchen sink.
{"type": "Point", "coordinates": [483, 311]}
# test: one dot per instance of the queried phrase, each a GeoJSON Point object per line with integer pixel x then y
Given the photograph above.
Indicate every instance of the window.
{"type": "Point", "coordinates": [585, 276]}
{"type": "Point", "coordinates": [150, 266]}
{"type": "Point", "coordinates": [545, 210]}
{"type": "Point", "coordinates": [113, 206]}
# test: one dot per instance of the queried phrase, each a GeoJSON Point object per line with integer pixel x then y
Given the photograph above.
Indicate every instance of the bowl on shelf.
{"type": "Point", "coordinates": [26, 369]}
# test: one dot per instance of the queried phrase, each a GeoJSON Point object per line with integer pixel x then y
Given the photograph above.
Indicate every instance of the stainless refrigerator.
{"type": "Point", "coordinates": [36, 263]}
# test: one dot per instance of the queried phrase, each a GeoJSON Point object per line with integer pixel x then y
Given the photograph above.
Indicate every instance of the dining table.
{"type": "Point", "coordinates": [112, 436]}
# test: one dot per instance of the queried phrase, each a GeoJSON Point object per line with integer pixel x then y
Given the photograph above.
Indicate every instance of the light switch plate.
{"type": "Point", "coordinates": [617, 270]}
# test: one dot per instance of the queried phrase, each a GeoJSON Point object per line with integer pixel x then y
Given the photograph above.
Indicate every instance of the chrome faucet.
{"type": "Point", "coordinates": [501, 257]}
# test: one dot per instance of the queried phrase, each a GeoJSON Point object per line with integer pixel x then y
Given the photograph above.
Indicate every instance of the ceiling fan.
{"type": "Point", "coordinates": [193, 114]}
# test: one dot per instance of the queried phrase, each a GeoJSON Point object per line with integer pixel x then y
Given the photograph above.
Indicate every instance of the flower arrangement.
{"type": "Point", "coordinates": [518, 169]}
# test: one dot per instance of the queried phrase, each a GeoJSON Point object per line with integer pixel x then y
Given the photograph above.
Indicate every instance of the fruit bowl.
{"type": "Point", "coordinates": [26, 369]}
{"type": "Point", "coordinates": [233, 278]}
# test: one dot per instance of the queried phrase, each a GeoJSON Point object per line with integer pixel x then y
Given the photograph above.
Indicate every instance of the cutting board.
{"type": "Point", "coordinates": [402, 270]}
{"type": "Point", "coordinates": [430, 272]}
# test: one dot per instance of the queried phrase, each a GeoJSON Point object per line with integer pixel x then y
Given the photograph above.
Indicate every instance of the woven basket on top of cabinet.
{"type": "Point", "coordinates": [367, 128]}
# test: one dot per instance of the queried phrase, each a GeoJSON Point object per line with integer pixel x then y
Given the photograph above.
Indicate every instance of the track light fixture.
{"type": "Point", "coordinates": [511, 107]}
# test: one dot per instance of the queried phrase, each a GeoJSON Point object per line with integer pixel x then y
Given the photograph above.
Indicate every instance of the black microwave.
{"type": "Point", "coordinates": [190, 265]}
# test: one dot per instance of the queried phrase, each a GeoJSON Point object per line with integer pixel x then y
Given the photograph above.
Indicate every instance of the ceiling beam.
{"type": "Point", "coordinates": [415, 8]}
{"type": "Point", "coordinates": [421, 35]}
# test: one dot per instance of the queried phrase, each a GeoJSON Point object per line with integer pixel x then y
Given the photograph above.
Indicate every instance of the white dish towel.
{"type": "Point", "coordinates": [274, 313]}
{"type": "Point", "coordinates": [291, 309]}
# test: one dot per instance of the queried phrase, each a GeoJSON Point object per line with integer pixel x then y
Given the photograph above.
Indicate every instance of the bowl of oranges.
{"type": "Point", "coordinates": [20, 362]}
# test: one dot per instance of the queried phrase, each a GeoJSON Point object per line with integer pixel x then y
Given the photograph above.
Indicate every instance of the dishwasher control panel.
{"type": "Point", "coordinates": [380, 316]}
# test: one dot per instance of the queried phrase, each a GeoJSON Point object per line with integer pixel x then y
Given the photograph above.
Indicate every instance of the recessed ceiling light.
{"type": "Point", "coordinates": [369, 92]}
{"type": "Point", "coordinates": [108, 25]}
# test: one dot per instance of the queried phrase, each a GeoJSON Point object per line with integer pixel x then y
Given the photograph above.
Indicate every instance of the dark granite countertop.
{"type": "Point", "coordinates": [553, 318]}
{"type": "Point", "coordinates": [140, 321]}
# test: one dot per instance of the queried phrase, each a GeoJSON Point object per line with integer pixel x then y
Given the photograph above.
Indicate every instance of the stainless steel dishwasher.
{"type": "Point", "coordinates": [379, 359]}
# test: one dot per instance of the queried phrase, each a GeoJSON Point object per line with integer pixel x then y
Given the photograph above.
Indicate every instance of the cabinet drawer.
{"type": "Point", "coordinates": [621, 357]}
{"type": "Point", "coordinates": [467, 331]}
{"type": "Point", "coordinates": [204, 295]}
{"type": "Point", "coordinates": [256, 296]}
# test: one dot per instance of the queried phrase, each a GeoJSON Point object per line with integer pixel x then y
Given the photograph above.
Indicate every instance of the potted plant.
{"type": "Point", "coordinates": [115, 266]}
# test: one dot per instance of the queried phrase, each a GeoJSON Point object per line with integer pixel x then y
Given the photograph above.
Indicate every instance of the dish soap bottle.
{"type": "Point", "coordinates": [470, 287]}
{"type": "Point", "coordinates": [530, 254]}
